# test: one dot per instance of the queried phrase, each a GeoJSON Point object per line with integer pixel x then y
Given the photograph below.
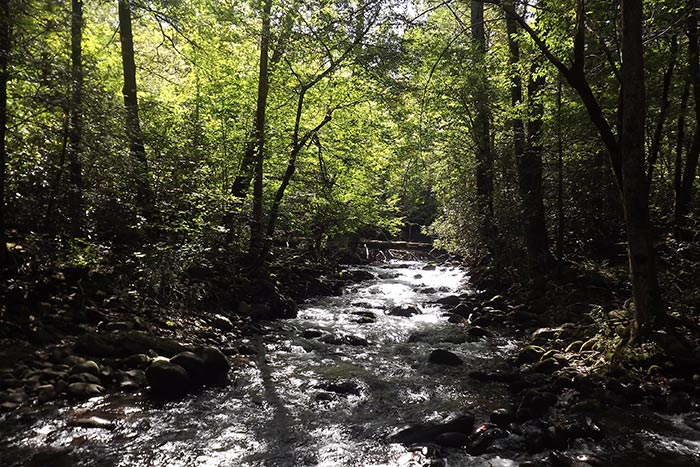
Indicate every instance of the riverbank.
{"type": "Point", "coordinates": [533, 395]}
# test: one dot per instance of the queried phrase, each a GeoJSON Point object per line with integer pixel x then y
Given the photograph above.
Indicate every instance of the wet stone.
{"type": "Point", "coordinates": [92, 422]}
{"type": "Point", "coordinates": [312, 334]}
{"type": "Point", "coordinates": [168, 379]}
{"type": "Point", "coordinates": [89, 366]}
{"type": "Point", "coordinates": [221, 322]}
{"type": "Point", "coordinates": [502, 417]}
{"type": "Point", "coordinates": [451, 439]}
{"type": "Point", "coordinates": [46, 393]}
{"type": "Point", "coordinates": [450, 300]}
{"type": "Point", "coordinates": [476, 331]}
{"type": "Point", "coordinates": [343, 388]}
{"type": "Point", "coordinates": [405, 311]}
{"type": "Point", "coordinates": [444, 357]}
{"type": "Point", "coordinates": [85, 389]}
{"type": "Point", "coordinates": [8, 406]}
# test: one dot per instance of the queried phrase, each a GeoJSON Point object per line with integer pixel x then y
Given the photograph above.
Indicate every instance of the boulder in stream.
{"type": "Point", "coordinates": [124, 344]}
{"type": "Point", "coordinates": [444, 357]}
{"type": "Point", "coordinates": [168, 379]}
{"type": "Point", "coordinates": [461, 424]}
{"type": "Point", "coordinates": [405, 311]}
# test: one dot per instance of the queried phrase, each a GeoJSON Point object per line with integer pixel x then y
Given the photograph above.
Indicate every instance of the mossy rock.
{"type": "Point", "coordinates": [575, 346]}
{"type": "Point", "coordinates": [530, 354]}
{"type": "Point", "coordinates": [588, 345]}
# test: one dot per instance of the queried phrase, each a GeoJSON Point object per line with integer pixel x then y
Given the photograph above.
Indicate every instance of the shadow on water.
{"type": "Point", "coordinates": [278, 433]}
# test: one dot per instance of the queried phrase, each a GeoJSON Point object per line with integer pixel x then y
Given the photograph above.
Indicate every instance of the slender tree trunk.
{"type": "Point", "coordinates": [663, 111]}
{"type": "Point", "coordinates": [76, 120]}
{"type": "Point", "coordinates": [680, 146]}
{"type": "Point", "coordinates": [256, 228]}
{"type": "Point", "coordinates": [49, 220]}
{"type": "Point", "coordinates": [528, 156]}
{"type": "Point", "coordinates": [530, 169]}
{"type": "Point", "coordinates": [5, 45]}
{"type": "Point", "coordinates": [482, 130]}
{"type": "Point", "coordinates": [685, 194]}
{"type": "Point", "coordinates": [647, 302]}
{"type": "Point", "coordinates": [137, 150]}
{"type": "Point", "coordinates": [242, 181]}
{"type": "Point", "coordinates": [560, 183]}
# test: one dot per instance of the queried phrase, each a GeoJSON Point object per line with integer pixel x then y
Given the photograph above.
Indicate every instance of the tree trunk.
{"type": "Point", "coordinates": [4, 78]}
{"type": "Point", "coordinates": [560, 184]}
{"type": "Point", "coordinates": [680, 146]}
{"type": "Point", "coordinates": [685, 194]}
{"type": "Point", "coordinates": [482, 130]}
{"type": "Point", "coordinates": [256, 227]}
{"type": "Point", "coordinates": [137, 150]}
{"type": "Point", "coordinates": [663, 111]}
{"type": "Point", "coordinates": [76, 122]}
{"type": "Point", "coordinates": [241, 183]}
{"type": "Point", "coordinates": [528, 156]}
{"type": "Point", "coordinates": [626, 156]}
{"type": "Point", "coordinates": [647, 302]}
{"type": "Point", "coordinates": [530, 175]}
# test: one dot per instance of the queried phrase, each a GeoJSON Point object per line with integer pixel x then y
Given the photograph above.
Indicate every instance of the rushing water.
{"type": "Point", "coordinates": [302, 401]}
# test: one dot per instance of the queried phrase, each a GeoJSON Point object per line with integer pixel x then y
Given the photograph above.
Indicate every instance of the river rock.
{"type": "Point", "coordinates": [168, 379]}
{"type": "Point", "coordinates": [90, 378]}
{"type": "Point", "coordinates": [357, 275]}
{"type": "Point", "coordinates": [451, 439]}
{"type": "Point", "coordinates": [427, 432]}
{"type": "Point", "coordinates": [123, 344]}
{"type": "Point", "coordinates": [216, 365]}
{"type": "Point", "coordinates": [444, 357]}
{"type": "Point", "coordinates": [117, 326]}
{"type": "Point", "coordinates": [344, 388]}
{"type": "Point", "coordinates": [450, 300]}
{"type": "Point", "coordinates": [85, 390]}
{"type": "Point", "coordinates": [312, 334]}
{"type": "Point", "coordinates": [546, 366]}
{"type": "Point", "coordinates": [221, 322]}
{"type": "Point", "coordinates": [193, 364]}
{"type": "Point", "coordinates": [132, 380]}
{"type": "Point", "coordinates": [502, 417]}
{"type": "Point", "coordinates": [497, 301]}
{"type": "Point", "coordinates": [8, 406]}
{"type": "Point", "coordinates": [530, 354]}
{"type": "Point", "coordinates": [46, 393]}
{"type": "Point", "coordinates": [405, 311]}
{"type": "Point", "coordinates": [92, 422]}
{"type": "Point", "coordinates": [476, 331]}
{"type": "Point", "coordinates": [365, 317]}
{"type": "Point", "coordinates": [462, 310]}
{"type": "Point", "coordinates": [678, 402]}
{"type": "Point", "coordinates": [89, 366]}
{"type": "Point", "coordinates": [483, 437]}
{"type": "Point", "coordinates": [693, 421]}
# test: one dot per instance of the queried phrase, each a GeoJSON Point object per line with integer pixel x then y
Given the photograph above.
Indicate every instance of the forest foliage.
{"type": "Point", "coordinates": [501, 135]}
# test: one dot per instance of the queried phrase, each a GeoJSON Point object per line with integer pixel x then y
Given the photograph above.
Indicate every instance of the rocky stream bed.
{"type": "Point", "coordinates": [399, 370]}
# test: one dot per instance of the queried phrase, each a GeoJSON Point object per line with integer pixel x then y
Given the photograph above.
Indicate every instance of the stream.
{"type": "Point", "coordinates": [327, 389]}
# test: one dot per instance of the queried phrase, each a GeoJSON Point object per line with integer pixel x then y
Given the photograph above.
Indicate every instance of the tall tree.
{"type": "Point", "coordinates": [76, 121]}
{"type": "Point", "coordinates": [5, 45]}
{"type": "Point", "coordinates": [635, 191]}
{"type": "Point", "coordinates": [256, 230]}
{"type": "Point", "coordinates": [482, 128]}
{"type": "Point", "coordinates": [137, 151]}
{"type": "Point", "coordinates": [684, 192]}
{"type": "Point", "coordinates": [626, 152]}
{"type": "Point", "coordinates": [528, 154]}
